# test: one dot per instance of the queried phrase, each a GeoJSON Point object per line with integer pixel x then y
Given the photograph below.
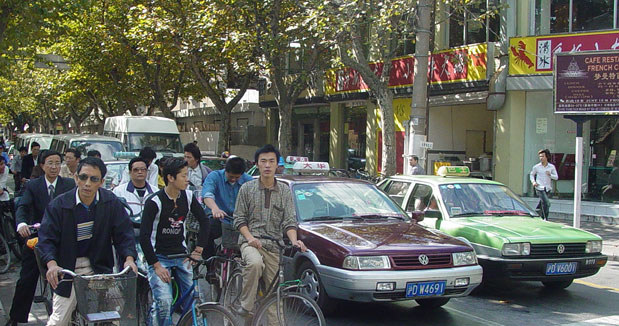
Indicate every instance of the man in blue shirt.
{"type": "Point", "coordinates": [219, 192]}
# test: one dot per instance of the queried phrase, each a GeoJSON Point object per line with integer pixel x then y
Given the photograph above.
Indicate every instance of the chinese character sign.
{"type": "Point", "coordinates": [587, 83]}
{"type": "Point", "coordinates": [534, 55]}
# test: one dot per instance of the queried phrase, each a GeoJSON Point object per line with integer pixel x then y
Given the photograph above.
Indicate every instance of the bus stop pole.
{"type": "Point", "coordinates": [578, 174]}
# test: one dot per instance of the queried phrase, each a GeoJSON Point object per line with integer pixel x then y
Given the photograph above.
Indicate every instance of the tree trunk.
{"type": "Point", "coordinates": [225, 130]}
{"type": "Point", "coordinates": [384, 98]}
{"type": "Point", "coordinates": [285, 128]}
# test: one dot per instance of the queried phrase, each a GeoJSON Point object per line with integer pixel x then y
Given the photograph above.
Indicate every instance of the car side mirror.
{"type": "Point", "coordinates": [417, 215]}
{"type": "Point", "coordinates": [433, 213]}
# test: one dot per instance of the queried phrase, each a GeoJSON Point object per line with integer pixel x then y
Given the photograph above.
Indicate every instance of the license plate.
{"type": "Point", "coordinates": [561, 268]}
{"type": "Point", "coordinates": [420, 289]}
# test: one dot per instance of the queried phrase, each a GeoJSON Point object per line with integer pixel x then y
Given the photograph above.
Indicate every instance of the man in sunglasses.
{"type": "Point", "coordinates": [30, 208]}
{"type": "Point", "coordinates": [137, 189]}
{"type": "Point", "coordinates": [77, 233]}
{"type": "Point", "coordinates": [162, 234]}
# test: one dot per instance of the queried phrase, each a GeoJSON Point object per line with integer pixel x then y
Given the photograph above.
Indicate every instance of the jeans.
{"type": "Point", "coordinates": [543, 207]}
{"type": "Point", "coordinates": [162, 292]}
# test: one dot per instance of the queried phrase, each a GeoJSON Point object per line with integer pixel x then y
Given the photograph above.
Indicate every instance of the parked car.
{"type": "Point", "coordinates": [510, 239]}
{"type": "Point", "coordinates": [107, 146]}
{"type": "Point", "coordinates": [363, 247]}
{"type": "Point", "coordinates": [138, 132]}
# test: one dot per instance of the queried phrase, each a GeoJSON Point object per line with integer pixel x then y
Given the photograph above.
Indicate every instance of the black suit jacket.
{"type": "Point", "coordinates": [32, 204]}
{"type": "Point", "coordinates": [27, 165]}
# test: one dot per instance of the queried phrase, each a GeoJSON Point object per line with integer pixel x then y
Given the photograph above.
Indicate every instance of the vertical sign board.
{"type": "Point", "coordinates": [585, 83]}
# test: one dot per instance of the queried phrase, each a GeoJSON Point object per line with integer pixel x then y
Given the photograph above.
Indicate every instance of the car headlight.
{"type": "Point", "coordinates": [516, 249]}
{"type": "Point", "coordinates": [366, 262]}
{"type": "Point", "coordinates": [464, 258]}
{"type": "Point", "coordinates": [593, 246]}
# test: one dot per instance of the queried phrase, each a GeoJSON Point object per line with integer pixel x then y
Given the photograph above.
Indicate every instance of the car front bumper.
{"type": "Point", "coordinates": [528, 269]}
{"type": "Point", "coordinates": [361, 285]}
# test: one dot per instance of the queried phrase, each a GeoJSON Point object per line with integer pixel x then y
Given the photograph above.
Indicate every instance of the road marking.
{"type": "Point", "coordinates": [602, 321]}
{"type": "Point", "coordinates": [593, 285]}
{"type": "Point", "coordinates": [484, 321]}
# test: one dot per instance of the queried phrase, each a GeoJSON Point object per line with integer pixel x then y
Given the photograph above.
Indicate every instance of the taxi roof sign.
{"type": "Point", "coordinates": [453, 171]}
{"type": "Point", "coordinates": [125, 155]}
{"type": "Point", "coordinates": [293, 159]}
{"type": "Point", "coordinates": [311, 167]}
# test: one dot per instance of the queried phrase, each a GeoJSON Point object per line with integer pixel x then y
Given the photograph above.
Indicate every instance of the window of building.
{"type": "Point", "coordinates": [475, 22]}
{"type": "Point", "coordinates": [563, 16]}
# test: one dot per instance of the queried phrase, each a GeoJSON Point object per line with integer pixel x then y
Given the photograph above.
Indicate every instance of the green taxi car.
{"type": "Point", "coordinates": [509, 237]}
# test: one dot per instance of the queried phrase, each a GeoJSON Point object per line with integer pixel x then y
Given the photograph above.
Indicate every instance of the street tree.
{"type": "Point", "coordinates": [219, 44]}
{"type": "Point", "coordinates": [291, 32]}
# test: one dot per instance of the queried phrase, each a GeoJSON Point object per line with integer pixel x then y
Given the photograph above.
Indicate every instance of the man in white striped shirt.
{"type": "Point", "coordinates": [542, 175]}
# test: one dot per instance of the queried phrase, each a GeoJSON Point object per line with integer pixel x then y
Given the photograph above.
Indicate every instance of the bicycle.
{"type": "Point", "coordinates": [8, 229]}
{"type": "Point", "coordinates": [225, 262]}
{"type": "Point", "coordinates": [198, 313]}
{"type": "Point", "coordinates": [279, 300]}
{"type": "Point", "coordinates": [102, 298]}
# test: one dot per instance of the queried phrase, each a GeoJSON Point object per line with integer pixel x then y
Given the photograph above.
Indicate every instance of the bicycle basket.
{"type": "Point", "coordinates": [107, 297]}
{"type": "Point", "coordinates": [229, 237]}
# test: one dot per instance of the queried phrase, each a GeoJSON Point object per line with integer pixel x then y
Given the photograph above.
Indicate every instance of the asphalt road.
{"type": "Point", "coordinates": [589, 301]}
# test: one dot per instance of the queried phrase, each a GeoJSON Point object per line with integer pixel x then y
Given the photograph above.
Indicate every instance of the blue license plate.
{"type": "Point", "coordinates": [421, 289]}
{"type": "Point", "coordinates": [561, 268]}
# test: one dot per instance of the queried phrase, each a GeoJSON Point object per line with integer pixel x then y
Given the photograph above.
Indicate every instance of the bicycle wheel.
{"type": "Point", "coordinates": [231, 297]}
{"type": "Point", "coordinates": [11, 236]}
{"type": "Point", "coordinates": [5, 256]}
{"type": "Point", "coordinates": [294, 309]}
{"type": "Point", "coordinates": [144, 301]}
{"type": "Point", "coordinates": [209, 314]}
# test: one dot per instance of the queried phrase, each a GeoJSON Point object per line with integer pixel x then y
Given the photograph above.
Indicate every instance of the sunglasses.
{"type": "Point", "coordinates": [84, 177]}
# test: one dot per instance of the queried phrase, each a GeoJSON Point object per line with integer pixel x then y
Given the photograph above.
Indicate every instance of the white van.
{"type": "Point", "coordinates": [138, 132]}
{"type": "Point", "coordinates": [107, 146]}
{"type": "Point", "coordinates": [27, 139]}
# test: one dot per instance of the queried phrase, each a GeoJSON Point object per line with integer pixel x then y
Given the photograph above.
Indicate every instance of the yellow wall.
{"type": "Point", "coordinates": [509, 148]}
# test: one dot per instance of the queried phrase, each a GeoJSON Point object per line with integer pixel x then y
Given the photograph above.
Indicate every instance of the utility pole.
{"type": "Point", "coordinates": [417, 125]}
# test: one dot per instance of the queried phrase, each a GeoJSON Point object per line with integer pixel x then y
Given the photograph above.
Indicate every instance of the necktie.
{"type": "Point", "coordinates": [51, 191]}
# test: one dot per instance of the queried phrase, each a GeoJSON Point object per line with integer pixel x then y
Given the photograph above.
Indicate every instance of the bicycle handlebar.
{"type": "Point", "coordinates": [72, 274]}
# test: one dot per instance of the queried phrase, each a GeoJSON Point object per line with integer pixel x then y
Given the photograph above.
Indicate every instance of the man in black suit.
{"type": "Point", "coordinates": [37, 195]}
{"type": "Point", "coordinates": [30, 161]}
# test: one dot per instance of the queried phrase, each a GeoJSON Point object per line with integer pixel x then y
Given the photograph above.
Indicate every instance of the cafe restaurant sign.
{"type": "Point", "coordinates": [587, 82]}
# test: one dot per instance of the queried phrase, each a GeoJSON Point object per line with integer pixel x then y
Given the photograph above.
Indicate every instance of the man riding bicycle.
{"type": "Point", "coordinates": [264, 207]}
{"type": "Point", "coordinates": [136, 190]}
{"type": "Point", "coordinates": [77, 233]}
{"type": "Point", "coordinates": [219, 192]}
{"type": "Point", "coordinates": [163, 234]}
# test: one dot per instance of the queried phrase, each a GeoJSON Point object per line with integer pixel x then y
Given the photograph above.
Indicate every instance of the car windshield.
{"type": "Point", "coordinates": [472, 199]}
{"type": "Point", "coordinates": [341, 200]}
{"type": "Point", "coordinates": [114, 172]}
{"type": "Point", "coordinates": [170, 143]}
{"type": "Point", "coordinates": [106, 148]}
{"type": "Point", "coordinates": [45, 142]}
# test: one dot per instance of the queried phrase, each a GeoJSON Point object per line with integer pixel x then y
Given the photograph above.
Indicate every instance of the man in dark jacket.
{"type": "Point", "coordinates": [77, 233]}
{"type": "Point", "coordinates": [30, 208]}
{"type": "Point", "coordinates": [30, 161]}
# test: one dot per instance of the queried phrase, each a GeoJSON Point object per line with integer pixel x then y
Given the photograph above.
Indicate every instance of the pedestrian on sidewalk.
{"type": "Point", "coordinates": [541, 176]}
{"type": "Point", "coordinates": [416, 169]}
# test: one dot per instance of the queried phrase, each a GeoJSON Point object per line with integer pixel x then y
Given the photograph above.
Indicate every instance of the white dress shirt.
{"type": "Point", "coordinates": [539, 175]}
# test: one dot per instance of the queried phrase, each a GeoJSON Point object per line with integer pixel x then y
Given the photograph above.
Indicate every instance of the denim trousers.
{"type": "Point", "coordinates": [162, 292]}
{"type": "Point", "coordinates": [543, 207]}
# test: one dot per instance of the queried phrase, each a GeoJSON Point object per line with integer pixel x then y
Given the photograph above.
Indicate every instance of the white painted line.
{"type": "Point", "coordinates": [602, 321]}
{"type": "Point", "coordinates": [482, 320]}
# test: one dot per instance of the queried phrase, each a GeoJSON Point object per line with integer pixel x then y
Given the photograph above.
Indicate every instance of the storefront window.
{"type": "Point", "coordinates": [553, 16]}
{"type": "Point", "coordinates": [473, 23]}
{"type": "Point", "coordinates": [604, 168]}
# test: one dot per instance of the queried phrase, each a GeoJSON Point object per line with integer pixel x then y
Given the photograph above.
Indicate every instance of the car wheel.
{"type": "Point", "coordinates": [312, 286]}
{"type": "Point", "coordinates": [557, 285]}
{"type": "Point", "coordinates": [432, 303]}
